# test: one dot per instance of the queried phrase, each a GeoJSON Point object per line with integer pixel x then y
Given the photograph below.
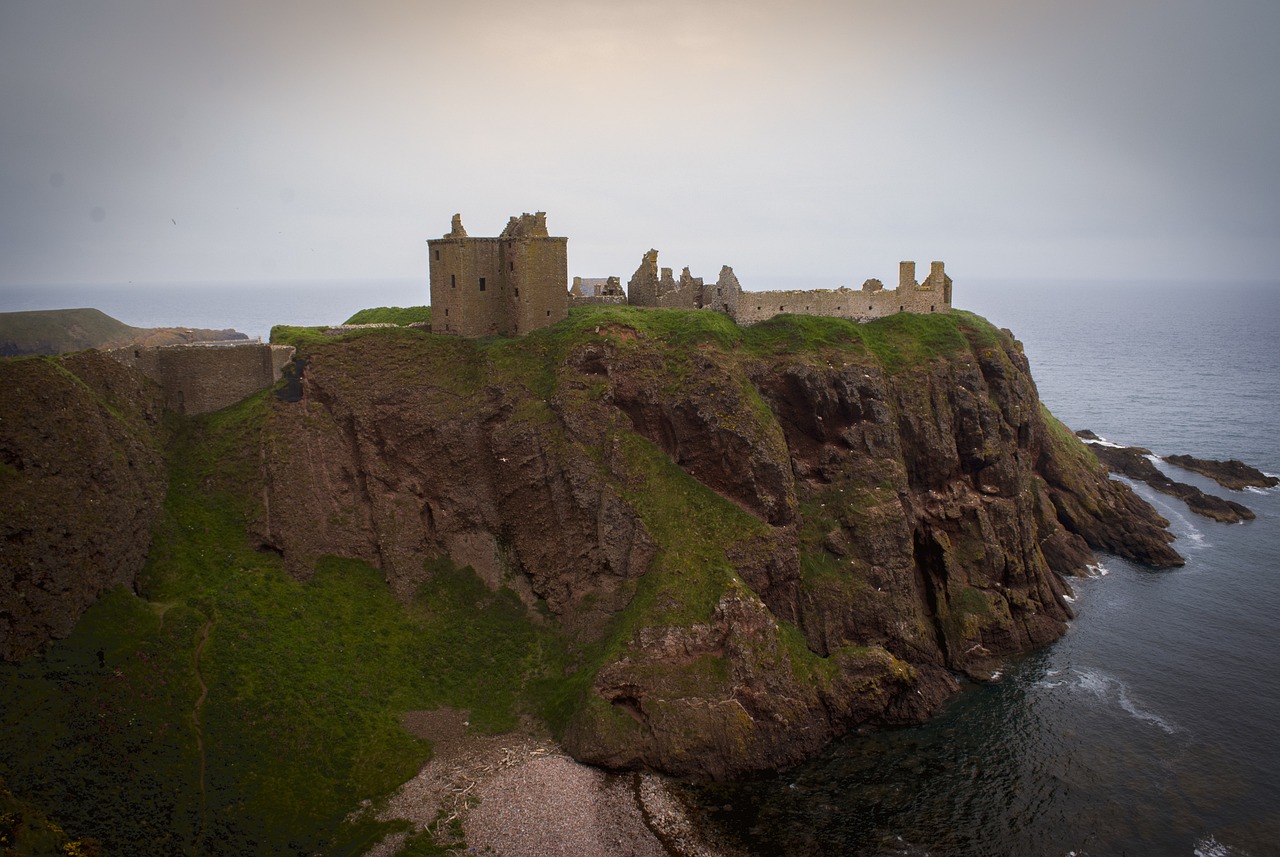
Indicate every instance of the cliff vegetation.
{"type": "Point", "coordinates": [684, 545]}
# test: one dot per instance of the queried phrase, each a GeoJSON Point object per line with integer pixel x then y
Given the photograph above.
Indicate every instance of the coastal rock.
{"type": "Point", "coordinates": [1135, 462]}
{"type": "Point", "coordinates": [751, 553]}
{"type": "Point", "coordinates": [1232, 473]}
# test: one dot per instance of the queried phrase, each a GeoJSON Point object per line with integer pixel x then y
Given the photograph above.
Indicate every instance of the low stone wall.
{"type": "Point", "coordinates": [199, 379]}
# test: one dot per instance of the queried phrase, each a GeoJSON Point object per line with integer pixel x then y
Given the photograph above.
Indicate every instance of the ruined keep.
{"type": "Point", "coordinates": [654, 287]}
{"type": "Point", "coordinates": [504, 286]}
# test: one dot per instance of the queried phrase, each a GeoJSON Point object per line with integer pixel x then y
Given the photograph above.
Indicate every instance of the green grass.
{"type": "Point", "coordinates": [1066, 442]}
{"type": "Point", "coordinates": [298, 337]}
{"type": "Point", "coordinates": [391, 315]}
{"type": "Point", "coordinates": [307, 682]}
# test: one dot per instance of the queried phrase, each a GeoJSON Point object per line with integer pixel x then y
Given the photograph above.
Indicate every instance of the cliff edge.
{"type": "Point", "coordinates": [754, 539]}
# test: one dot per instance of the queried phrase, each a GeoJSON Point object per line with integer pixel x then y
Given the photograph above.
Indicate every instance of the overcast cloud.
{"type": "Point", "coordinates": [159, 141]}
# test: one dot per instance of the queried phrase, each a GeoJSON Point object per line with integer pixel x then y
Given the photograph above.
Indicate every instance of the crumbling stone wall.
{"type": "Point", "coordinates": [504, 286]}
{"type": "Point", "coordinates": [593, 291]}
{"type": "Point", "coordinates": [196, 379]}
{"type": "Point", "coordinates": [649, 288]}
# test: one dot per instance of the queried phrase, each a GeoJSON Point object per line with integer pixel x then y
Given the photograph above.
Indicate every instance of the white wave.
{"type": "Point", "coordinates": [1141, 714]}
{"type": "Point", "coordinates": [1103, 442]}
{"type": "Point", "coordinates": [1108, 689]}
{"type": "Point", "coordinates": [1182, 526]}
{"type": "Point", "coordinates": [1211, 847]}
{"type": "Point", "coordinates": [1097, 569]}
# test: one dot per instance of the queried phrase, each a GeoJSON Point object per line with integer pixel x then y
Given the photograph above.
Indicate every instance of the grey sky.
{"type": "Point", "coordinates": [160, 141]}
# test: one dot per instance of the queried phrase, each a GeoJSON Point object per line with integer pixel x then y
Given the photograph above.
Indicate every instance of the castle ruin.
{"type": "Point", "coordinates": [515, 283]}
{"type": "Point", "coordinates": [504, 286]}
{"type": "Point", "coordinates": [654, 287]}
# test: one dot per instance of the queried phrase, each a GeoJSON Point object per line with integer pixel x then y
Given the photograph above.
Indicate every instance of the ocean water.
{"type": "Point", "coordinates": [1153, 726]}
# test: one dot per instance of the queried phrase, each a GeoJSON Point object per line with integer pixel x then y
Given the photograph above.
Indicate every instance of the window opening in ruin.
{"type": "Point", "coordinates": [446, 312]}
{"type": "Point", "coordinates": [513, 266]}
{"type": "Point", "coordinates": [517, 291]}
{"type": "Point", "coordinates": [548, 313]}
{"type": "Point", "coordinates": [930, 307]}
{"type": "Point", "coordinates": [437, 255]}
{"type": "Point", "coordinates": [482, 284]}
{"type": "Point", "coordinates": [902, 309]}
{"type": "Point", "coordinates": [453, 281]}
{"type": "Point", "coordinates": [781, 308]}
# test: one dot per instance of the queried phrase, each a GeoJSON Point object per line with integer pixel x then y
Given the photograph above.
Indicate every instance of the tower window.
{"type": "Point", "coordinates": [482, 284]}
{"type": "Point", "coordinates": [453, 281]}
{"type": "Point", "coordinates": [548, 313]}
{"type": "Point", "coordinates": [513, 266]}
{"type": "Point", "coordinates": [437, 255]}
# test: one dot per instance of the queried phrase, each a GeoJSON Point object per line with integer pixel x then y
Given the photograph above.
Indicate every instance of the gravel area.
{"type": "Point", "coordinates": [519, 795]}
{"type": "Point", "coordinates": [555, 807]}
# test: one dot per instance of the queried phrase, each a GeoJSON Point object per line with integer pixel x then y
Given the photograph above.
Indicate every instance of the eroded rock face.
{"type": "Point", "coordinates": [881, 530]}
{"type": "Point", "coordinates": [82, 479]}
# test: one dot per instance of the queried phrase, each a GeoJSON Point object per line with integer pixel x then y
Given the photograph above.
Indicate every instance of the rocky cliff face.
{"type": "Point", "coordinates": [82, 479]}
{"type": "Point", "coordinates": [755, 540]}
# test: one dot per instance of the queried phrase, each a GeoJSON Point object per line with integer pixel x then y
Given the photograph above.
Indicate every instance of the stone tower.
{"type": "Point", "coordinates": [504, 286]}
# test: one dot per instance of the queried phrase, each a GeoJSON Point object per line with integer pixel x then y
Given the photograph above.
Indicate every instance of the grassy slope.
{"type": "Point", "coordinates": [307, 681]}
{"type": "Point", "coordinates": [391, 315]}
{"type": "Point", "coordinates": [57, 331]}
